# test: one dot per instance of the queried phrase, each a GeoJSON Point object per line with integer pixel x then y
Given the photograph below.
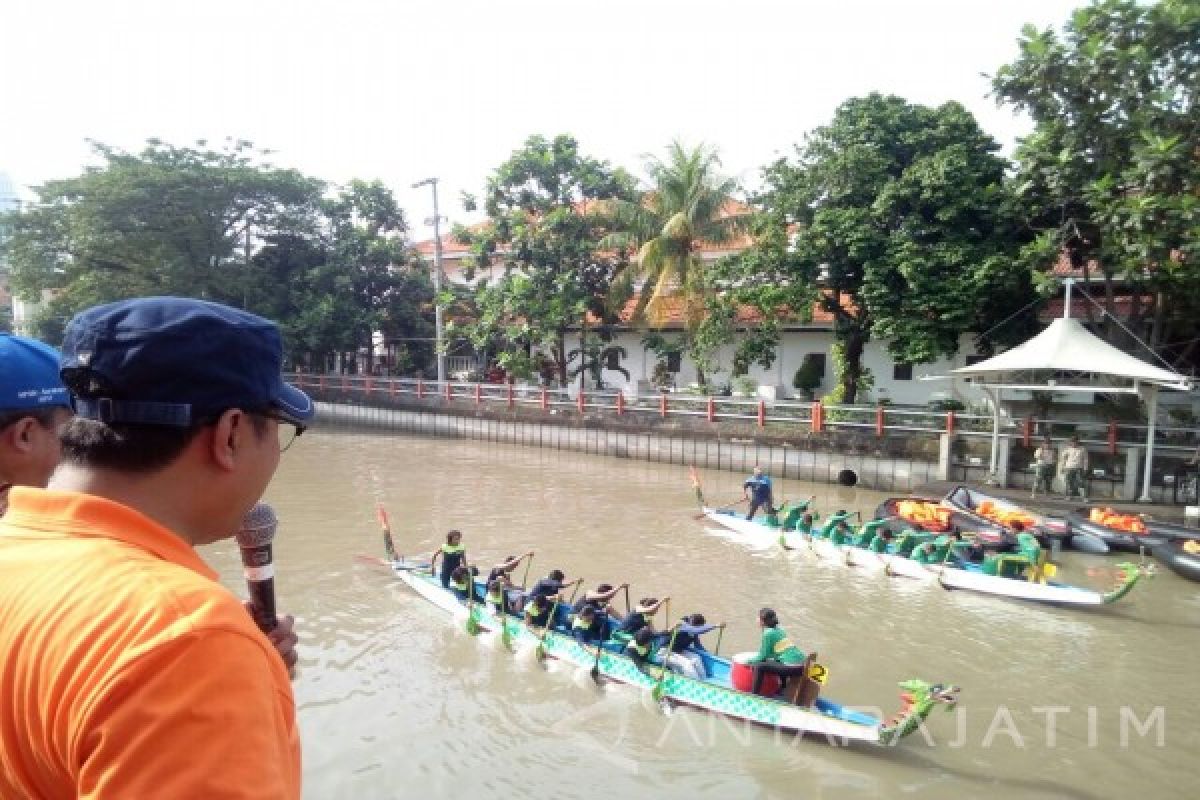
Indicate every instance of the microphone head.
{"type": "Point", "coordinates": [258, 527]}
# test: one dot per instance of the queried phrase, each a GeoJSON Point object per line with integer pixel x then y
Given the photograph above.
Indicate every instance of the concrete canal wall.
{"type": "Point", "coordinates": [874, 470]}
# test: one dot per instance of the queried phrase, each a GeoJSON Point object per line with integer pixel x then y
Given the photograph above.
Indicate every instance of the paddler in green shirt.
{"type": "Point", "coordinates": [776, 655]}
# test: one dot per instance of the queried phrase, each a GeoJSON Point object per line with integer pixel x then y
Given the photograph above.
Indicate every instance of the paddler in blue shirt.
{"type": "Point", "coordinates": [453, 556]}
{"type": "Point", "coordinates": [686, 648]}
{"type": "Point", "coordinates": [757, 489]}
{"type": "Point", "coordinates": [640, 616]}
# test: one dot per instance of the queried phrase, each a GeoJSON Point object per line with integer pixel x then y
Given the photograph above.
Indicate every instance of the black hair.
{"type": "Point", "coordinates": [556, 575]}
{"type": "Point", "coordinates": [459, 573]}
{"type": "Point", "coordinates": [1018, 526]}
{"type": "Point", "coordinates": [43, 415]}
{"type": "Point", "coordinates": [132, 448]}
{"type": "Point", "coordinates": [495, 585]}
{"type": "Point", "coordinates": [644, 635]}
{"type": "Point", "coordinates": [648, 601]}
{"type": "Point", "coordinates": [587, 611]}
{"type": "Point", "coordinates": [807, 518]}
{"type": "Point", "coordinates": [768, 617]}
{"type": "Point", "coordinates": [452, 534]}
{"type": "Point", "coordinates": [697, 619]}
{"type": "Point", "coordinates": [604, 587]}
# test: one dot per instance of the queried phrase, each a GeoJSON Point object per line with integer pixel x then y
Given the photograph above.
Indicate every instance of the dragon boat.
{"type": "Point", "coordinates": [1127, 532]}
{"type": "Point", "coordinates": [936, 558]}
{"type": "Point", "coordinates": [716, 694]}
{"type": "Point", "coordinates": [1181, 556]}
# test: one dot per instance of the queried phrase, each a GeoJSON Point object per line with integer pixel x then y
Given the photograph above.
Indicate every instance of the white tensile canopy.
{"type": "Point", "coordinates": [1066, 357]}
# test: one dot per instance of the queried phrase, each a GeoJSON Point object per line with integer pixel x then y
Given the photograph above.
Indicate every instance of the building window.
{"type": "Point", "coordinates": [902, 372]}
{"type": "Point", "coordinates": [975, 358]}
{"type": "Point", "coordinates": [674, 361]}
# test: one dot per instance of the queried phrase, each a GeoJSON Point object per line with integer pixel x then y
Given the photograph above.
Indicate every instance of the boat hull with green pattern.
{"type": "Point", "coordinates": [827, 718]}
{"type": "Point", "coordinates": [970, 578]}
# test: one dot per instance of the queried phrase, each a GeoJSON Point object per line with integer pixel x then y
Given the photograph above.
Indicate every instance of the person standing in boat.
{"type": "Point", "coordinates": [757, 489]}
{"type": "Point", "coordinates": [453, 556]}
{"type": "Point", "coordinates": [1074, 464]}
{"type": "Point", "coordinates": [776, 653]}
{"type": "Point", "coordinates": [1044, 460]}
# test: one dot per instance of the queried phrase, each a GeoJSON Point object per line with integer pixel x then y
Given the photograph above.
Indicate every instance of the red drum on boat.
{"type": "Point", "coordinates": [741, 676]}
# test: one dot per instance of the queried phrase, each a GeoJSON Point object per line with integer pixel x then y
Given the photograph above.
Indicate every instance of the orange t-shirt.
{"type": "Point", "coordinates": [127, 671]}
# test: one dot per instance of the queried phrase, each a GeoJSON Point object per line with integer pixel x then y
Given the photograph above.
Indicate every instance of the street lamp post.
{"type": "Point", "coordinates": [437, 280]}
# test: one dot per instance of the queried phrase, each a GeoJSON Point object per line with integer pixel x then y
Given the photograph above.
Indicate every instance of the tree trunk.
{"type": "Point", "coordinates": [560, 357]}
{"type": "Point", "coordinates": [855, 341]}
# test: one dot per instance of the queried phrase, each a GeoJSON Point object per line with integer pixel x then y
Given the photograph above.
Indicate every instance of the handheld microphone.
{"type": "Point", "coordinates": [254, 539]}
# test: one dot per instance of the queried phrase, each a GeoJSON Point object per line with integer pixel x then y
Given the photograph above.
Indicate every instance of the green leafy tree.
{"type": "Point", "coordinates": [690, 204]}
{"type": "Point", "coordinates": [356, 275]}
{"type": "Point", "coordinates": [897, 213]}
{"type": "Point", "coordinates": [545, 235]}
{"type": "Point", "coordinates": [1110, 175]}
{"type": "Point", "coordinates": [166, 220]}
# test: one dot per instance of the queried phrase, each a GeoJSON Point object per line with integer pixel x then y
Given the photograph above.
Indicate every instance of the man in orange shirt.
{"type": "Point", "coordinates": [33, 405]}
{"type": "Point", "coordinates": [128, 671]}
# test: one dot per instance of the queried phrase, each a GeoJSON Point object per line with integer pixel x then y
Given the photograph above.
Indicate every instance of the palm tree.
{"type": "Point", "coordinates": [690, 205]}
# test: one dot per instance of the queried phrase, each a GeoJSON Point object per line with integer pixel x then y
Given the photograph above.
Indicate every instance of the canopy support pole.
{"type": "Point", "coordinates": [994, 396]}
{"type": "Point", "coordinates": [1151, 418]}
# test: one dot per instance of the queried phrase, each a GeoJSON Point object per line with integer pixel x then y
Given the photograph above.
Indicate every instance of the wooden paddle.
{"type": "Point", "coordinates": [389, 546]}
{"type": "Point", "coordinates": [720, 635]}
{"type": "Point", "coordinates": [540, 651]}
{"type": "Point", "coordinates": [657, 691]}
{"type": "Point", "coordinates": [472, 623]}
{"type": "Point", "coordinates": [596, 663]}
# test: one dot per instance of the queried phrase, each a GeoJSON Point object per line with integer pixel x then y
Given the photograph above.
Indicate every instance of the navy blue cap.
{"type": "Point", "coordinates": [176, 361]}
{"type": "Point", "coordinates": [29, 375]}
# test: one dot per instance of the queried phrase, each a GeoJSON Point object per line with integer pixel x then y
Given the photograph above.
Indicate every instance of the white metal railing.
{"type": "Point", "coordinates": [803, 417]}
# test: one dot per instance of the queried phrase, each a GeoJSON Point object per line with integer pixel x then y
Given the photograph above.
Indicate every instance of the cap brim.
{"type": "Point", "coordinates": [294, 405]}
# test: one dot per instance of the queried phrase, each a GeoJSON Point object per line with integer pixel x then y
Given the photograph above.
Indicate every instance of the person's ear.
{"type": "Point", "coordinates": [229, 438]}
{"type": "Point", "coordinates": [21, 434]}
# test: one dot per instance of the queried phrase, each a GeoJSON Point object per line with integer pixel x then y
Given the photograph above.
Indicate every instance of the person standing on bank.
{"type": "Point", "coordinates": [34, 404]}
{"type": "Point", "coordinates": [1074, 464]}
{"type": "Point", "coordinates": [1045, 457]}
{"type": "Point", "coordinates": [757, 490]}
{"type": "Point", "coordinates": [136, 673]}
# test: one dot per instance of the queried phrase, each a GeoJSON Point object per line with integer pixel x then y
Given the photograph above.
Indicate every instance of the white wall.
{"type": "Point", "coordinates": [794, 345]}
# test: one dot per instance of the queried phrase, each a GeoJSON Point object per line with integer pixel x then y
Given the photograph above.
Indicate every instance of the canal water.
{"type": "Point", "coordinates": [396, 701]}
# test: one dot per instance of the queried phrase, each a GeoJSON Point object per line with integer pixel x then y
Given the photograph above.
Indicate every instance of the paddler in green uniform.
{"type": "Point", "coordinates": [776, 654]}
{"type": "Point", "coordinates": [796, 515]}
{"type": "Point", "coordinates": [835, 521]}
{"type": "Point", "coordinates": [866, 533]}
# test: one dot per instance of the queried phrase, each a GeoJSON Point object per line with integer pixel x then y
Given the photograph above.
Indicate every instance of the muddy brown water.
{"type": "Point", "coordinates": [396, 701]}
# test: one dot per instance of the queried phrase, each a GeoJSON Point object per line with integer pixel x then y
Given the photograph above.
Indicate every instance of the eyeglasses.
{"type": "Point", "coordinates": [289, 431]}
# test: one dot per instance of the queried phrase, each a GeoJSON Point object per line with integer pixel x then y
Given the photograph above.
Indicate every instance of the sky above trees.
{"type": "Point", "coordinates": [400, 91]}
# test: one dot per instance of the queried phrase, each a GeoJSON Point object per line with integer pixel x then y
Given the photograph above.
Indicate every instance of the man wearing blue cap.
{"type": "Point", "coordinates": [131, 671]}
{"type": "Point", "coordinates": [33, 405]}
